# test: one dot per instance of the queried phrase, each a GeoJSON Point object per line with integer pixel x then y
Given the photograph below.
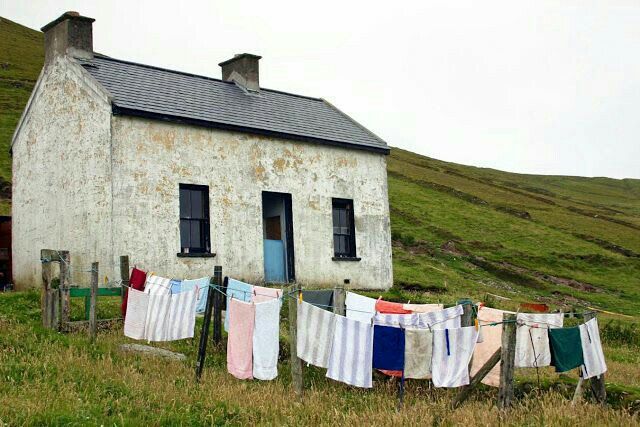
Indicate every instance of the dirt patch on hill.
{"type": "Point", "coordinates": [516, 274]}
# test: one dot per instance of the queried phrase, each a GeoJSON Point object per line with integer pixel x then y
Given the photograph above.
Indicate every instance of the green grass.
{"type": "Point", "coordinates": [50, 378]}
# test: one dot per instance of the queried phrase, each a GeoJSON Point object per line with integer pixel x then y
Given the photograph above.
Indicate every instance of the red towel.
{"type": "Point", "coordinates": [386, 307]}
{"type": "Point", "coordinates": [136, 281]}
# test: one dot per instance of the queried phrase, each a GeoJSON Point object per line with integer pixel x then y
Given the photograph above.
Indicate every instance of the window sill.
{"type": "Point", "coordinates": [196, 255]}
{"type": "Point", "coordinates": [336, 258]}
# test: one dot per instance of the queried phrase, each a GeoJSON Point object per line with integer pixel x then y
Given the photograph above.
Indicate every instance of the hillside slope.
{"type": "Point", "coordinates": [457, 230]}
{"type": "Point", "coordinates": [21, 58]}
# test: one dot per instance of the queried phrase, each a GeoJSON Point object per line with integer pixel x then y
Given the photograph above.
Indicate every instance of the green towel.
{"type": "Point", "coordinates": [566, 348]}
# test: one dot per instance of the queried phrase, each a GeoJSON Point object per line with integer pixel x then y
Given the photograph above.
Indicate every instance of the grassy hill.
{"type": "Point", "coordinates": [457, 230]}
{"type": "Point", "coordinates": [21, 58]}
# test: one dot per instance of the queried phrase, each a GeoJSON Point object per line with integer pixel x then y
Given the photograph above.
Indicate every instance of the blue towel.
{"type": "Point", "coordinates": [203, 285]}
{"type": "Point", "coordinates": [388, 348]}
{"type": "Point", "coordinates": [238, 290]}
{"type": "Point", "coordinates": [176, 286]}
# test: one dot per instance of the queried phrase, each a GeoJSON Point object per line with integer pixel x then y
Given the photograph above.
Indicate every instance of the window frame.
{"type": "Point", "coordinates": [204, 222]}
{"type": "Point", "coordinates": [348, 206]}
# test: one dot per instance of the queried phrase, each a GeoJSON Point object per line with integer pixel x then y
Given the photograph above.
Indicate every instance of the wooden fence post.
{"type": "Point", "coordinates": [204, 335]}
{"type": "Point", "coordinates": [46, 296]}
{"type": "Point", "coordinates": [597, 383]}
{"type": "Point", "coordinates": [93, 315]}
{"type": "Point", "coordinates": [467, 313]}
{"type": "Point", "coordinates": [475, 380]}
{"type": "Point", "coordinates": [296, 364]}
{"type": "Point", "coordinates": [339, 298]}
{"type": "Point", "coordinates": [507, 360]}
{"type": "Point", "coordinates": [65, 299]}
{"type": "Point", "coordinates": [217, 305]}
{"type": "Point", "coordinates": [124, 276]}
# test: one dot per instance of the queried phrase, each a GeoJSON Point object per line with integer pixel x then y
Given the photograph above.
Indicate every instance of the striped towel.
{"type": "Point", "coordinates": [157, 285]}
{"type": "Point", "coordinates": [351, 353]}
{"type": "Point", "coordinates": [266, 339]}
{"type": "Point", "coordinates": [452, 351]}
{"type": "Point", "coordinates": [532, 339]}
{"type": "Point", "coordinates": [442, 319]}
{"type": "Point", "coordinates": [157, 321]}
{"type": "Point", "coordinates": [397, 320]}
{"type": "Point", "coordinates": [136, 314]}
{"type": "Point", "coordinates": [359, 307]}
{"type": "Point", "coordinates": [315, 333]}
{"type": "Point", "coordinates": [182, 316]}
{"type": "Point", "coordinates": [594, 364]}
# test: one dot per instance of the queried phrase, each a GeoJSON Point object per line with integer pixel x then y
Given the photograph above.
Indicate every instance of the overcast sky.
{"type": "Point", "coordinates": [545, 87]}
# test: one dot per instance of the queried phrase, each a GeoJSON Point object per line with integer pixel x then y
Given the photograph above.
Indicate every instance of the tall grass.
{"type": "Point", "coordinates": [50, 379]}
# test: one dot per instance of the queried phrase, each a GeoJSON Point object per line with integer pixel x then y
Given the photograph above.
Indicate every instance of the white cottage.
{"type": "Point", "coordinates": [183, 172]}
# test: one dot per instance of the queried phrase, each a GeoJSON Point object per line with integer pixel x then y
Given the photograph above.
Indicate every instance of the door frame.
{"type": "Point", "coordinates": [288, 230]}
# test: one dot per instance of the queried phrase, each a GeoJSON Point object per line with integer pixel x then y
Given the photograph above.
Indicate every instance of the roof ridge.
{"type": "Point", "coordinates": [184, 73]}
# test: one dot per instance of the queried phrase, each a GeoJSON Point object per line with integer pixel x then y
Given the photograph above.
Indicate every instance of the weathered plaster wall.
{"type": "Point", "coordinates": [150, 159]}
{"type": "Point", "coordinates": [61, 175]}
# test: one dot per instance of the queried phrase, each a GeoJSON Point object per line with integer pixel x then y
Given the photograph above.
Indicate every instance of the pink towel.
{"type": "Point", "coordinates": [423, 308]}
{"type": "Point", "coordinates": [240, 341]}
{"type": "Point", "coordinates": [491, 341]}
{"type": "Point", "coordinates": [262, 294]}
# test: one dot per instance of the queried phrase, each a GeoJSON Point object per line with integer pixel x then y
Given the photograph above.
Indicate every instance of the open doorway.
{"type": "Point", "coordinates": [278, 237]}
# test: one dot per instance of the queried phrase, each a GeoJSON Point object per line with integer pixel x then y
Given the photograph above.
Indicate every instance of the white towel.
{"type": "Point", "coordinates": [157, 322]}
{"type": "Point", "coordinates": [359, 307]}
{"type": "Point", "coordinates": [137, 304]}
{"type": "Point", "coordinates": [594, 364]}
{"type": "Point", "coordinates": [532, 339]}
{"type": "Point", "coordinates": [266, 339]}
{"type": "Point", "coordinates": [441, 319]}
{"type": "Point", "coordinates": [156, 285]}
{"type": "Point", "coordinates": [450, 363]}
{"type": "Point", "coordinates": [350, 359]}
{"type": "Point", "coordinates": [182, 315]}
{"type": "Point", "coordinates": [315, 333]}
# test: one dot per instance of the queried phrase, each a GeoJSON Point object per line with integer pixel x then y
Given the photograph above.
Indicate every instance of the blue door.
{"type": "Point", "coordinates": [274, 261]}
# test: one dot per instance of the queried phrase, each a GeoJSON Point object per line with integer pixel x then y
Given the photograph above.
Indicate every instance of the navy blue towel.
{"type": "Point", "coordinates": [388, 348]}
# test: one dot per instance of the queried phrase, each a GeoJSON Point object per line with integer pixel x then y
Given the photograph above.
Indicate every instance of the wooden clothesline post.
{"type": "Point", "coordinates": [217, 304]}
{"type": "Point", "coordinates": [93, 314]}
{"type": "Point", "coordinates": [339, 298]}
{"type": "Point", "coordinates": [507, 360]}
{"type": "Point", "coordinates": [206, 323]}
{"type": "Point", "coordinates": [296, 363]}
{"type": "Point", "coordinates": [124, 275]}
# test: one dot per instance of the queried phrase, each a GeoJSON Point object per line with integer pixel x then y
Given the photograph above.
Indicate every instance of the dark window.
{"type": "Point", "coordinates": [344, 233]}
{"type": "Point", "coordinates": [194, 219]}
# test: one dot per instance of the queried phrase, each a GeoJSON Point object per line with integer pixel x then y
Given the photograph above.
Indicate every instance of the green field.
{"type": "Point", "coordinates": [458, 231]}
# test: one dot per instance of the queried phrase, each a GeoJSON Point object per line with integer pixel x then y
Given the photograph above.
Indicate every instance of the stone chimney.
{"type": "Point", "coordinates": [243, 70]}
{"type": "Point", "coordinates": [70, 34]}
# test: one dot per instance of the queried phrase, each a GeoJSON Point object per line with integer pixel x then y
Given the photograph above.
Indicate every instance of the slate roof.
{"type": "Point", "coordinates": [146, 91]}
